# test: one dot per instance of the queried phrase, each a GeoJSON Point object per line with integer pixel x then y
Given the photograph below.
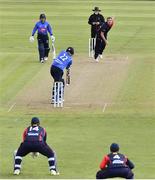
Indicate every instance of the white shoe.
{"type": "Point", "coordinates": [54, 173]}
{"type": "Point", "coordinates": [97, 59]}
{"type": "Point", "coordinates": [45, 58]}
{"type": "Point", "coordinates": [101, 57]}
{"type": "Point", "coordinates": [16, 172]}
{"type": "Point", "coordinates": [42, 61]}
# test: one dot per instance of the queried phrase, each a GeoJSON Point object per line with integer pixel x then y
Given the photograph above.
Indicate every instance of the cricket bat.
{"type": "Point", "coordinates": [53, 51]}
{"type": "Point", "coordinates": [68, 77]}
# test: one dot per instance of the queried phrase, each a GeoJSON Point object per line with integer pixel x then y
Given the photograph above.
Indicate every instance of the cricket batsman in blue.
{"type": "Point", "coordinates": [43, 28]}
{"type": "Point", "coordinates": [34, 141]}
{"type": "Point", "coordinates": [60, 63]}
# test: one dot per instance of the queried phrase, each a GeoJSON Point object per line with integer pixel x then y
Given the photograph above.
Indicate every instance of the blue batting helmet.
{"type": "Point", "coordinates": [114, 147]}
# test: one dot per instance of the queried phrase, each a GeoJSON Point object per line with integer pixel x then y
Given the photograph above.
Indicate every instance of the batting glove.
{"type": "Point", "coordinates": [52, 38]}
{"type": "Point", "coordinates": [31, 39]}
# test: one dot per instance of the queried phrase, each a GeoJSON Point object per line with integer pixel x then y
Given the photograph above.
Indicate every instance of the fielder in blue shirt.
{"type": "Point", "coordinates": [60, 63]}
{"type": "Point", "coordinates": [43, 28]}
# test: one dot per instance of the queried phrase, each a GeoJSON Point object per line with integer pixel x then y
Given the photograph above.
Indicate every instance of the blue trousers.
{"type": "Point", "coordinates": [122, 172]}
{"type": "Point", "coordinates": [41, 147]}
{"type": "Point", "coordinates": [43, 46]}
{"type": "Point", "coordinates": [99, 48]}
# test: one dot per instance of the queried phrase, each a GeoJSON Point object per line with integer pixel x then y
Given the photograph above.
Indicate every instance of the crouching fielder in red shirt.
{"type": "Point", "coordinates": [115, 165]}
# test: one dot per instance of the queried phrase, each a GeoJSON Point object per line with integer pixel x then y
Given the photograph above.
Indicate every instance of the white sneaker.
{"type": "Point", "coordinates": [45, 58]}
{"type": "Point", "coordinates": [16, 172]}
{"type": "Point", "coordinates": [54, 173]}
{"type": "Point", "coordinates": [42, 61]}
{"type": "Point", "coordinates": [97, 59]}
{"type": "Point", "coordinates": [101, 57]}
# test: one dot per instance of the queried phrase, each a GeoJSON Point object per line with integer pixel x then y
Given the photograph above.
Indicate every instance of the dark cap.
{"type": "Point", "coordinates": [96, 9]}
{"type": "Point", "coordinates": [42, 16]}
{"type": "Point", "coordinates": [114, 147]}
{"type": "Point", "coordinates": [35, 120]}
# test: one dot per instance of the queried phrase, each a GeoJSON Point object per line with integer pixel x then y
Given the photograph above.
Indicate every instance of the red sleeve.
{"type": "Point", "coordinates": [104, 162]}
{"type": "Point", "coordinates": [24, 134]}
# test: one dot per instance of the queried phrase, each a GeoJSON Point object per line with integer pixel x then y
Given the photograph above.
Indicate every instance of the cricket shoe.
{"type": "Point", "coordinates": [16, 172]}
{"type": "Point", "coordinates": [100, 56]}
{"type": "Point", "coordinates": [97, 59]}
{"type": "Point", "coordinates": [54, 173]}
{"type": "Point", "coordinates": [45, 58]}
{"type": "Point", "coordinates": [42, 60]}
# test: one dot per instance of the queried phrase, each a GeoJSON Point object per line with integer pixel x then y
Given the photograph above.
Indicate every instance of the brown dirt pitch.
{"type": "Point", "coordinates": [92, 84]}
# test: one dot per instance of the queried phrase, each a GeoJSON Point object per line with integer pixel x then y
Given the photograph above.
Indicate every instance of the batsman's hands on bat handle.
{"type": "Point", "coordinates": [52, 38]}
{"type": "Point", "coordinates": [31, 39]}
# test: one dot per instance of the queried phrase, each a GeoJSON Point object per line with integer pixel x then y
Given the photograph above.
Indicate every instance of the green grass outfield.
{"type": "Point", "coordinates": [80, 136]}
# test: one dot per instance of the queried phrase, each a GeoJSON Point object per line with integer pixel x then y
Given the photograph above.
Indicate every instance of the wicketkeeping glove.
{"type": "Point", "coordinates": [52, 38]}
{"type": "Point", "coordinates": [34, 154]}
{"type": "Point", "coordinates": [31, 39]}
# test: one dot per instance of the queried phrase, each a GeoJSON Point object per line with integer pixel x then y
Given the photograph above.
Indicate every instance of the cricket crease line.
{"type": "Point", "coordinates": [127, 57]}
{"type": "Point", "coordinates": [104, 107]}
{"type": "Point", "coordinates": [11, 107]}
